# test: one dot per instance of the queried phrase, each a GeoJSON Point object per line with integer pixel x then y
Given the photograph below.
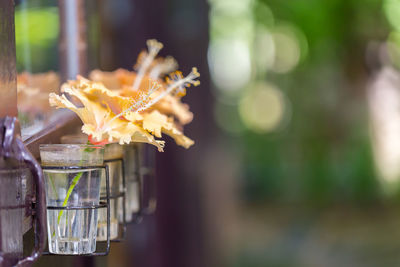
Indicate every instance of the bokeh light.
{"type": "Point", "coordinates": [264, 50]}
{"type": "Point", "coordinates": [392, 12]}
{"type": "Point", "coordinates": [231, 6]}
{"type": "Point", "coordinates": [290, 46]}
{"type": "Point", "coordinates": [263, 108]}
{"type": "Point", "coordinates": [230, 66]}
{"type": "Point", "coordinates": [263, 14]}
{"type": "Point", "coordinates": [384, 103]}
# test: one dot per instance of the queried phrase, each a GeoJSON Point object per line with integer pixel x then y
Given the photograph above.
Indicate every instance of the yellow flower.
{"type": "Point", "coordinates": [171, 105]}
{"type": "Point", "coordinates": [149, 68]}
{"type": "Point", "coordinates": [152, 121]}
{"type": "Point", "coordinates": [169, 102]}
{"type": "Point", "coordinates": [155, 122]}
{"type": "Point", "coordinates": [121, 80]}
{"type": "Point", "coordinates": [156, 113]}
{"type": "Point", "coordinates": [99, 120]}
{"type": "Point", "coordinates": [118, 104]}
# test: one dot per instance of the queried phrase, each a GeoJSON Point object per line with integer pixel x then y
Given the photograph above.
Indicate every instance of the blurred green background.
{"type": "Point", "coordinates": [296, 86]}
{"type": "Point", "coordinates": [290, 80]}
{"type": "Point", "coordinates": [36, 34]}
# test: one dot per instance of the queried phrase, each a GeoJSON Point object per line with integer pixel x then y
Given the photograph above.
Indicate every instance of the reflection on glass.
{"type": "Point", "coordinates": [33, 100]}
{"type": "Point", "coordinates": [36, 34]}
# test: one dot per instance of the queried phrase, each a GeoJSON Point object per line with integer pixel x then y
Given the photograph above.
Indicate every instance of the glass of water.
{"type": "Point", "coordinates": [73, 176]}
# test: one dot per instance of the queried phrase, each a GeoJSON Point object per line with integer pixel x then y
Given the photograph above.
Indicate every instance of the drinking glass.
{"type": "Point", "coordinates": [73, 175]}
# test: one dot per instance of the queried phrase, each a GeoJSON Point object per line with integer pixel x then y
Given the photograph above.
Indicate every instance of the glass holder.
{"type": "Point", "coordinates": [103, 204]}
{"type": "Point", "coordinates": [118, 196]}
{"type": "Point", "coordinates": [148, 180]}
{"type": "Point", "coordinates": [138, 216]}
{"type": "Point", "coordinates": [149, 209]}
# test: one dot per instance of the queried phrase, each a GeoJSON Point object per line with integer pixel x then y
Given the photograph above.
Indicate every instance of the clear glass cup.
{"type": "Point", "coordinates": [113, 154]}
{"type": "Point", "coordinates": [132, 181]}
{"type": "Point", "coordinates": [72, 231]}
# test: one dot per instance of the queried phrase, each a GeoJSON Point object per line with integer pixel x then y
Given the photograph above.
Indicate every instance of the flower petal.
{"type": "Point", "coordinates": [99, 121]}
{"type": "Point", "coordinates": [158, 123]}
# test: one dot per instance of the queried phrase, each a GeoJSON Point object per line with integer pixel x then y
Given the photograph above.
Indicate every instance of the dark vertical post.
{"type": "Point", "coordinates": [175, 235]}
{"type": "Point", "coordinates": [8, 86]}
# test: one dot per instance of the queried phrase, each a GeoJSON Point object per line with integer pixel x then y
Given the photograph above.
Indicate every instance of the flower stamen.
{"type": "Point", "coordinates": [163, 67]}
{"type": "Point", "coordinates": [144, 61]}
{"type": "Point", "coordinates": [136, 105]}
{"type": "Point", "coordinates": [177, 84]}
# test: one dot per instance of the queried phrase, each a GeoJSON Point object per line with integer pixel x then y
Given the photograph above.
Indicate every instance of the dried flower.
{"type": "Point", "coordinates": [158, 123]}
{"type": "Point", "coordinates": [99, 120]}
{"type": "Point", "coordinates": [176, 86]}
{"type": "Point", "coordinates": [152, 121]}
{"type": "Point", "coordinates": [120, 81]}
{"type": "Point", "coordinates": [158, 109]}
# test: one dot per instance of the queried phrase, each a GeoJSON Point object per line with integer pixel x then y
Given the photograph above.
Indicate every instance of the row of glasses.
{"type": "Point", "coordinates": [92, 193]}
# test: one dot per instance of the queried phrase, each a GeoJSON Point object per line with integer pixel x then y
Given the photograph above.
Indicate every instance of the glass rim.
{"type": "Point", "coordinates": [78, 146]}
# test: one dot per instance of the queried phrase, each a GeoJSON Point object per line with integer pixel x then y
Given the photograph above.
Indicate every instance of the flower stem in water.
{"type": "Point", "coordinates": [70, 189]}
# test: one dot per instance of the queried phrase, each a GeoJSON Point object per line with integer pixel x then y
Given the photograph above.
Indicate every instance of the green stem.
{"type": "Point", "coordinates": [70, 189]}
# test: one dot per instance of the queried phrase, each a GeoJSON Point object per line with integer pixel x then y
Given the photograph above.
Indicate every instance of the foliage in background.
{"type": "Point", "coordinates": [318, 149]}
{"type": "Point", "coordinates": [36, 35]}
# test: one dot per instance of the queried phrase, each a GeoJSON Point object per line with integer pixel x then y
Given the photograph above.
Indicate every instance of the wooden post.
{"type": "Point", "coordinates": [8, 78]}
